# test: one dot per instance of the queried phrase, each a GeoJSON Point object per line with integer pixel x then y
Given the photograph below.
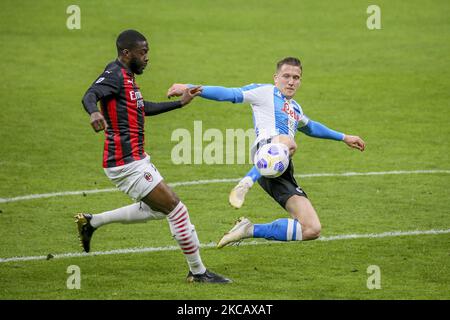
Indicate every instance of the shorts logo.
{"type": "Point", "coordinates": [148, 176]}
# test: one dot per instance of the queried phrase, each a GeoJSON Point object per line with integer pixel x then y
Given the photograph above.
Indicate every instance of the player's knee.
{"type": "Point", "coordinates": [288, 141]}
{"type": "Point", "coordinates": [312, 231]}
{"type": "Point", "coordinates": [168, 205]}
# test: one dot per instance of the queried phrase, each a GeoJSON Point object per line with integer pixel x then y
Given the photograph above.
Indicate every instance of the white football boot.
{"type": "Point", "coordinates": [242, 229]}
{"type": "Point", "coordinates": [237, 195]}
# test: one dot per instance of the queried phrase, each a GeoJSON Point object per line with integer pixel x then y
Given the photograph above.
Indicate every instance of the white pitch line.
{"type": "Point", "coordinates": [212, 244]}
{"type": "Point", "coordinates": [199, 182]}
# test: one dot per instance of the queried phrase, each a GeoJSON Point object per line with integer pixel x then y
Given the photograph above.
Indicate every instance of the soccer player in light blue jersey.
{"type": "Point", "coordinates": [277, 117]}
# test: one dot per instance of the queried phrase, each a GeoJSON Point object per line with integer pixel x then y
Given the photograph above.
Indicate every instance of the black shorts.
{"type": "Point", "coordinates": [283, 187]}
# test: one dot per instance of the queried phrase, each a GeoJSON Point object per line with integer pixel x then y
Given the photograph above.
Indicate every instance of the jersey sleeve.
{"type": "Point", "coordinates": [107, 84]}
{"type": "Point", "coordinates": [318, 130]}
{"type": "Point", "coordinates": [155, 108]}
{"type": "Point", "coordinates": [253, 93]}
{"type": "Point", "coordinates": [218, 93]}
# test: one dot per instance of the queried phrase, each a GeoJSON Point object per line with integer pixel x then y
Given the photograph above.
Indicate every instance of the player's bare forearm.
{"type": "Point", "coordinates": [354, 142]}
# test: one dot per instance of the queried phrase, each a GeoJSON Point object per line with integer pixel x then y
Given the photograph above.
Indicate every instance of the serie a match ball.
{"type": "Point", "coordinates": [272, 159]}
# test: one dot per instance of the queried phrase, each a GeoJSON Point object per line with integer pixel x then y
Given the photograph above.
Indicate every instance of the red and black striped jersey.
{"type": "Point", "coordinates": [124, 109]}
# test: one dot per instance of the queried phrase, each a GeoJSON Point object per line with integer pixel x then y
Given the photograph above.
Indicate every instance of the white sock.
{"type": "Point", "coordinates": [137, 212]}
{"type": "Point", "coordinates": [186, 236]}
{"type": "Point", "coordinates": [247, 180]}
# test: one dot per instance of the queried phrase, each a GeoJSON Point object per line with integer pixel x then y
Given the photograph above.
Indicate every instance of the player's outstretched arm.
{"type": "Point", "coordinates": [317, 130]}
{"type": "Point", "coordinates": [187, 95]}
{"type": "Point", "coordinates": [216, 93]}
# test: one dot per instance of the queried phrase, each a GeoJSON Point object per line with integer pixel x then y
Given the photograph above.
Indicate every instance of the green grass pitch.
{"type": "Point", "coordinates": [389, 86]}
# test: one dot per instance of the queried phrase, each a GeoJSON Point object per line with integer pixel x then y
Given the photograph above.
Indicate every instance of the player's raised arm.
{"type": "Point", "coordinates": [216, 93]}
{"type": "Point", "coordinates": [154, 108]}
{"type": "Point", "coordinates": [318, 130]}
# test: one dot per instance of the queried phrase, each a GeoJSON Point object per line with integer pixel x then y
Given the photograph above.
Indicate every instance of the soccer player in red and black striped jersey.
{"type": "Point", "coordinates": [125, 161]}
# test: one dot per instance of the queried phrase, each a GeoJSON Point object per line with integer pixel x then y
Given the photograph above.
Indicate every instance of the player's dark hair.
{"type": "Point", "coordinates": [128, 39]}
{"type": "Point", "coordinates": [292, 61]}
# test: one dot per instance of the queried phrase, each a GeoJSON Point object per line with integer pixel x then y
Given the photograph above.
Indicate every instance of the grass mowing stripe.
{"type": "Point", "coordinates": [199, 182]}
{"type": "Point", "coordinates": [212, 244]}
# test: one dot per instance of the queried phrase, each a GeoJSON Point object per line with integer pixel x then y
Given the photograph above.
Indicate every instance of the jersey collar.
{"type": "Point", "coordinates": [122, 65]}
{"type": "Point", "coordinates": [279, 94]}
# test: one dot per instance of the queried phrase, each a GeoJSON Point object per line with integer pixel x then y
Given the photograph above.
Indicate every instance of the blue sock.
{"type": "Point", "coordinates": [281, 230]}
{"type": "Point", "coordinates": [254, 174]}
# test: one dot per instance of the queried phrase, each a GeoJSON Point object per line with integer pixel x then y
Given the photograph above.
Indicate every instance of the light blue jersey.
{"type": "Point", "coordinates": [273, 113]}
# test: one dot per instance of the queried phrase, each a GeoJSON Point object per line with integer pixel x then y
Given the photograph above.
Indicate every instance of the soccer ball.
{"type": "Point", "coordinates": [272, 159]}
